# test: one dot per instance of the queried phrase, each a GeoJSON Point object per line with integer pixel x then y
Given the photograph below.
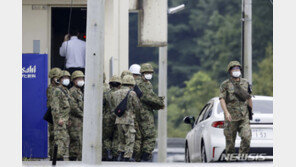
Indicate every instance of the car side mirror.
{"type": "Point", "coordinates": [189, 120]}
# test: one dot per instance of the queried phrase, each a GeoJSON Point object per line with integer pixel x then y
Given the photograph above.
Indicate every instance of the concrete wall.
{"type": "Point", "coordinates": [36, 18]}
{"type": "Point", "coordinates": [35, 26]}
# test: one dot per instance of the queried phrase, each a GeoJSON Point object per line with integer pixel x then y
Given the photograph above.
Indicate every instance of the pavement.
{"type": "Point", "coordinates": [145, 164]}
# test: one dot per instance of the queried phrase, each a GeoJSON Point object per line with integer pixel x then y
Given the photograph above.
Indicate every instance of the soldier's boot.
{"type": "Point", "coordinates": [120, 156]}
{"type": "Point", "coordinates": [145, 157]}
{"type": "Point", "coordinates": [109, 155]}
{"type": "Point", "coordinates": [72, 158]}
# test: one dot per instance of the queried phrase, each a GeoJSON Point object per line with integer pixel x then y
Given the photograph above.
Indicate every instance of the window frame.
{"type": "Point", "coordinates": [204, 109]}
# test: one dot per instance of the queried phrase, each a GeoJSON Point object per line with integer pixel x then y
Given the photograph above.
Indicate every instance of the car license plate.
{"type": "Point", "coordinates": [261, 134]}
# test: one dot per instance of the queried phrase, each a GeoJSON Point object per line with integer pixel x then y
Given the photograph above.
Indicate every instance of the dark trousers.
{"type": "Point", "coordinates": [72, 69]}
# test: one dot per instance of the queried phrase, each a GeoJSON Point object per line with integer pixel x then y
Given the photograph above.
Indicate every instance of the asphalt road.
{"type": "Point", "coordinates": [138, 164]}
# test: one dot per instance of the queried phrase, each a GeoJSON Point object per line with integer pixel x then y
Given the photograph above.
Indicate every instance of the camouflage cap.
{"type": "Point", "coordinates": [128, 80]}
{"type": "Point", "coordinates": [147, 67]}
{"type": "Point", "coordinates": [232, 64]}
{"type": "Point", "coordinates": [115, 78]}
{"type": "Point", "coordinates": [54, 72]}
{"type": "Point", "coordinates": [77, 74]}
{"type": "Point", "coordinates": [125, 72]}
{"type": "Point", "coordinates": [64, 73]}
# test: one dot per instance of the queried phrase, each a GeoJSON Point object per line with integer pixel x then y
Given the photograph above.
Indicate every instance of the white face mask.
{"type": "Point", "coordinates": [80, 83]}
{"type": "Point", "coordinates": [236, 74]}
{"type": "Point", "coordinates": [148, 76]}
{"type": "Point", "coordinates": [66, 82]}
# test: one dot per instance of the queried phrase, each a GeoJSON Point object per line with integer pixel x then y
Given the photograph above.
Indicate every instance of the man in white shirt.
{"type": "Point", "coordinates": [73, 49]}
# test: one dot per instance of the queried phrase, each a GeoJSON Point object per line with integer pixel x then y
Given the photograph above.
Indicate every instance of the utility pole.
{"type": "Point", "coordinates": [162, 114]}
{"type": "Point", "coordinates": [162, 91]}
{"type": "Point", "coordinates": [247, 39]}
{"type": "Point", "coordinates": [93, 94]}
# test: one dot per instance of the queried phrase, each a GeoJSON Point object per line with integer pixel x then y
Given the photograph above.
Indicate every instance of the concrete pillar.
{"type": "Point", "coordinates": [93, 94]}
{"type": "Point", "coordinates": [117, 35]}
{"type": "Point", "coordinates": [162, 114]}
{"type": "Point", "coordinates": [247, 55]}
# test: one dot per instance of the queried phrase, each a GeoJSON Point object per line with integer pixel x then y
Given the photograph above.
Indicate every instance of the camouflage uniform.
{"type": "Point", "coordinates": [150, 101]}
{"type": "Point", "coordinates": [54, 72]}
{"type": "Point", "coordinates": [60, 110]}
{"type": "Point", "coordinates": [115, 142]}
{"type": "Point", "coordinates": [138, 138]}
{"type": "Point", "coordinates": [109, 131]}
{"type": "Point", "coordinates": [239, 114]}
{"type": "Point", "coordinates": [49, 92]}
{"type": "Point", "coordinates": [125, 123]}
{"type": "Point", "coordinates": [76, 120]}
{"type": "Point", "coordinates": [107, 119]}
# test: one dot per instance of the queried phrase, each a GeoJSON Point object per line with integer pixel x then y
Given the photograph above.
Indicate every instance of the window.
{"type": "Point", "coordinates": [259, 106]}
{"type": "Point", "coordinates": [208, 113]}
{"type": "Point", "coordinates": [200, 116]}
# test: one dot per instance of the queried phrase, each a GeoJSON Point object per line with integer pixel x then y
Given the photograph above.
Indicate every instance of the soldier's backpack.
{"type": "Point", "coordinates": [138, 91]}
{"type": "Point", "coordinates": [48, 116]}
{"type": "Point", "coordinates": [121, 108]}
{"type": "Point", "coordinates": [240, 93]}
{"type": "Point", "coordinates": [243, 95]}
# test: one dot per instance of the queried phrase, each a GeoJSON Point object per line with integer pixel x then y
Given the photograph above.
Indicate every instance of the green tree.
{"type": "Point", "coordinates": [263, 80]}
{"type": "Point", "coordinates": [189, 101]}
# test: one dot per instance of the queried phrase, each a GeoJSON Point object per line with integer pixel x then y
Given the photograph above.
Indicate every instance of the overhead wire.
{"type": "Point", "coordinates": [68, 32]}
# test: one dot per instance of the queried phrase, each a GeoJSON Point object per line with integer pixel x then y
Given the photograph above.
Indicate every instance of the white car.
{"type": "Point", "coordinates": [205, 142]}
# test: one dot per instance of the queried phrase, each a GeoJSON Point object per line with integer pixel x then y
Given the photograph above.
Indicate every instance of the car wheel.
{"type": "Point", "coordinates": [203, 153]}
{"type": "Point", "coordinates": [187, 157]}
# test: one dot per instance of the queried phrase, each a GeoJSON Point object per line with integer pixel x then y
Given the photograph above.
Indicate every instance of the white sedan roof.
{"type": "Point", "coordinates": [256, 97]}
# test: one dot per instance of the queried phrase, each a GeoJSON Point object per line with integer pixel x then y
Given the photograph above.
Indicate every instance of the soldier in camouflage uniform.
{"type": "Point", "coordinates": [235, 110]}
{"type": "Point", "coordinates": [109, 127]}
{"type": "Point", "coordinates": [125, 123]}
{"type": "Point", "coordinates": [115, 134]}
{"type": "Point", "coordinates": [60, 106]}
{"type": "Point", "coordinates": [150, 102]}
{"type": "Point", "coordinates": [76, 116]}
{"type": "Point", "coordinates": [135, 70]}
{"type": "Point", "coordinates": [53, 75]}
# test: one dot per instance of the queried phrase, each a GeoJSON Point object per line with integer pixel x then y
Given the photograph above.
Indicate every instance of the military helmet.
{"type": "Point", "coordinates": [64, 73]}
{"type": "Point", "coordinates": [146, 68]}
{"type": "Point", "coordinates": [135, 69]}
{"type": "Point", "coordinates": [77, 74]}
{"type": "Point", "coordinates": [128, 80]}
{"type": "Point", "coordinates": [125, 72]}
{"type": "Point", "coordinates": [54, 72]}
{"type": "Point", "coordinates": [232, 64]}
{"type": "Point", "coordinates": [115, 78]}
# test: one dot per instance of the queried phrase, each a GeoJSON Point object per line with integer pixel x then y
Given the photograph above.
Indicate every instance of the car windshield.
{"type": "Point", "coordinates": [259, 106]}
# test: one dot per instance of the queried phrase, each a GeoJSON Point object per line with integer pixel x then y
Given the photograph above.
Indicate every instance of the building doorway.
{"type": "Point", "coordinates": [59, 28]}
